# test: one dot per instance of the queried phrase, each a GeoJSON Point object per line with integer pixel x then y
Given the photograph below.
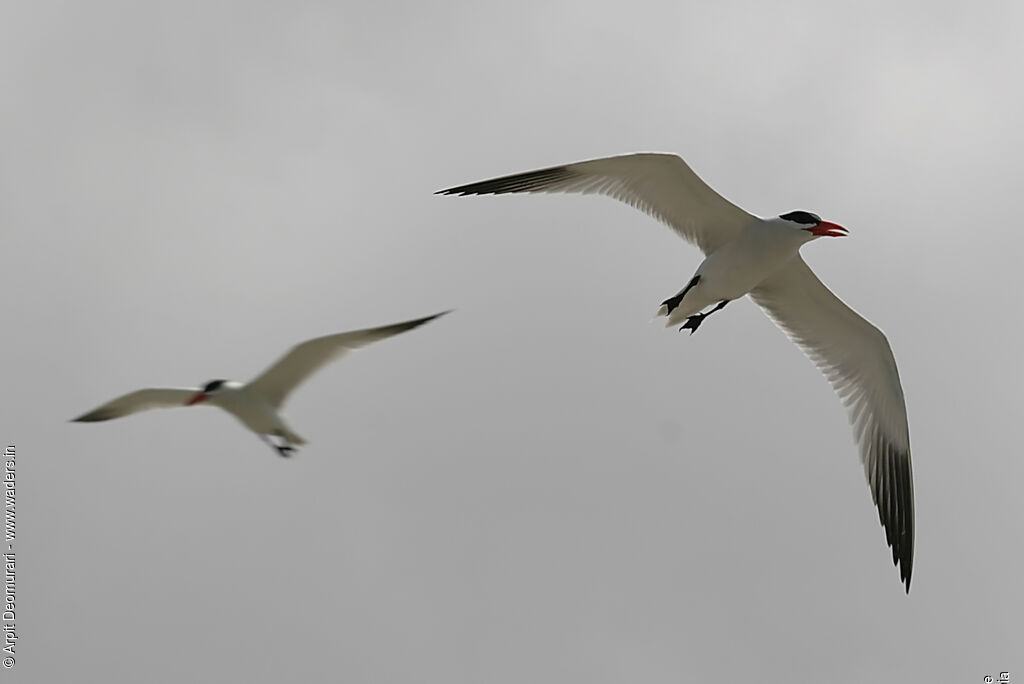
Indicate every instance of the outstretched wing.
{"type": "Point", "coordinates": [661, 185]}
{"type": "Point", "coordinates": [856, 358]}
{"type": "Point", "coordinates": [292, 369]}
{"type": "Point", "coordinates": [140, 400]}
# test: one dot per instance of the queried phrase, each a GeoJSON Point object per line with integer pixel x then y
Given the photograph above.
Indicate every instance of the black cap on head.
{"type": "Point", "coordinates": [213, 386]}
{"type": "Point", "coordinates": [802, 217]}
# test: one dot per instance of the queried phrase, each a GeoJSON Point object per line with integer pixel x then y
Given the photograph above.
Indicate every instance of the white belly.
{"type": "Point", "coordinates": [738, 267]}
{"type": "Point", "coordinates": [253, 412]}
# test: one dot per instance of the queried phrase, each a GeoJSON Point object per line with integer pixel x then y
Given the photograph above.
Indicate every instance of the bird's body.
{"type": "Point", "coordinates": [253, 410]}
{"type": "Point", "coordinates": [257, 404]}
{"type": "Point", "coordinates": [746, 254]}
{"type": "Point", "coordinates": [737, 267]}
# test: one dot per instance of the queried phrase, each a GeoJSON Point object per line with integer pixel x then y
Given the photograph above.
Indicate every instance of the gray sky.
{"type": "Point", "coordinates": [542, 486]}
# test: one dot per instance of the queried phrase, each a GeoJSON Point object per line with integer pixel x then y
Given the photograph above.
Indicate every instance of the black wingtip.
{"type": "Point", "coordinates": [906, 569]}
{"type": "Point", "coordinates": [531, 181]}
{"type": "Point", "coordinates": [460, 191]}
{"type": "Point", "coordinates": [893, 493]}
{"type": "Point", "coordinates": [427, 319]}
{"type": "Point", "coordinates": [92, 417]}
{"type": "Point", "coordinates": [417, 322]}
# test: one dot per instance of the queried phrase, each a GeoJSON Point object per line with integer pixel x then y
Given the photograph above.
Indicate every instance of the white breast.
{"type": "Point", "coordinates": [737, 267]}
{"type": "Point", "coordinates": [250, 408]}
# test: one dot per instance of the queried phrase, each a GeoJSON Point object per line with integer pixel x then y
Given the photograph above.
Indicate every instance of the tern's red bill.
{"type": "Point", "coordinates": [827, 229]}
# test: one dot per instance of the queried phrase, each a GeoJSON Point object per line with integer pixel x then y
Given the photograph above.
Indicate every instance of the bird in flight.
{"type": "Point", "coordinates": [257, 403]}
{"type": "Point", "coordinates": [760, 257]}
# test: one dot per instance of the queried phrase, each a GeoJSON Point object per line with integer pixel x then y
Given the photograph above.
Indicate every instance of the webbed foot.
{"type": "Point", "coordinates": [693, 322]}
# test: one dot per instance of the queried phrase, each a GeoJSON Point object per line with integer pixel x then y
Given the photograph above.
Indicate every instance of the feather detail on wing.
{"type": "Point", "coordinates": [140, 400]}
{"type": "Point", "coordinates": [856, 358]}
{"type": "Point", "coordinates": [661, 185]}
{"type": "Point", "coordinates": [292, 369]}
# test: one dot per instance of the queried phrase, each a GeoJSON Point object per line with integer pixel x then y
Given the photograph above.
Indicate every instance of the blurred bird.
{"type": "Point", "coordinates": [257, 404]}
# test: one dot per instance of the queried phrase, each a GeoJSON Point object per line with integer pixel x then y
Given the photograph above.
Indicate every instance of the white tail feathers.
{"type": "Point", "coordinates": [292, 437]}
{"type": "Point", "coordinates": [672, 319]}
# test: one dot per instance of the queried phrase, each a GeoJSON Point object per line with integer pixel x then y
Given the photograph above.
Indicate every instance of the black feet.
{"type": "Point", "coordinates": [283, 450]}
{"type": "Point", "coordinates": [693, 322]}
{"type": "Point", "coordinates": [672, 302]}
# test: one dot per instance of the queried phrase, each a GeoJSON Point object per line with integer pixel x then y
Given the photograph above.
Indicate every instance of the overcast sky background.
{"type": "Point", "coordinates": [543, 486]}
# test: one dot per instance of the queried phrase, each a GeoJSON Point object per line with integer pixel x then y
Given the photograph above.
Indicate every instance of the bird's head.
{"type": "Point", "coordinates": [812, 223]}
{"type": "Point", "coordinates": [209, 389]}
